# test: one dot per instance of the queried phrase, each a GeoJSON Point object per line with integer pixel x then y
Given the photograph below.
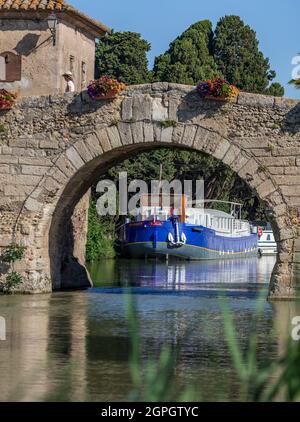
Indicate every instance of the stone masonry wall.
{"type": "Point", "coordinates": [53, 148]}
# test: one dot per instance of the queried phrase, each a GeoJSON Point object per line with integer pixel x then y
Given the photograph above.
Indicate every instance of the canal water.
{"type": "Point", "coordinates": [74, 346]}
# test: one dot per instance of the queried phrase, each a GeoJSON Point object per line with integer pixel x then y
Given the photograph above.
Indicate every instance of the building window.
{"type": "Point", "coordinates": [72, 64]}
{"type": "Point", "coordinates": [83, 75]}
{"type": "Point", "coordinates": [10, 67]}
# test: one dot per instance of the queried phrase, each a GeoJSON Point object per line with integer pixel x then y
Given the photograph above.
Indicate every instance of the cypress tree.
{"type": "Point", "coordinates": [123, 55]}
{"type": "Point", "coordinates": [189, 59]}
{"type": "Point", "coordinates": [237, 54]}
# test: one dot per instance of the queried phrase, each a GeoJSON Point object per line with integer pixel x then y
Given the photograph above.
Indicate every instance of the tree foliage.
{"type": "Point", "coordinates": [189, 57]}
{"type": "Point", "coordinates": [275, 89]}
{"type": "Point", "coordinates": [237, 54]}
{"type": "Point", "coordinates": [101, 234]}
{"type": "Point", "coordinates": [123, 55]}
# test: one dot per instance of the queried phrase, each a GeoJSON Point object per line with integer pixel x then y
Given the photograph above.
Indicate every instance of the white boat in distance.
{"type": "Point", "coordinates": [266, 242]}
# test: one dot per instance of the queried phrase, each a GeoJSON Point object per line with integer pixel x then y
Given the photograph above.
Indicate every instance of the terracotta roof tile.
{"type": "Point", "coordinates": [51, 5]}
{"type": "Point", "coordinates": [31, 4]}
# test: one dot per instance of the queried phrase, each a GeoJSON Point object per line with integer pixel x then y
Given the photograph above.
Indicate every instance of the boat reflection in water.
{"type": "Point", "coordinates": [184, 275]}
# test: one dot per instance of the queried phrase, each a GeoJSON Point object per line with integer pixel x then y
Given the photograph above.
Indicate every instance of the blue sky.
{"type": "Point", "coordinates": [160, 21]}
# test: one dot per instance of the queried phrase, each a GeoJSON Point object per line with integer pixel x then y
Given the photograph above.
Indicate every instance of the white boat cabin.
{"type": "Point", "coordinates": [224, 224]}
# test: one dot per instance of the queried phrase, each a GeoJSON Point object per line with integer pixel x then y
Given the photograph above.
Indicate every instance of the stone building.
{"type": "Point", "coordinates": [42, 39]}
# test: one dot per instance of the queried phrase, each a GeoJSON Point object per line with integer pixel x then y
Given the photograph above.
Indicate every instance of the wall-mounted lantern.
{"type": "Point", "coordinates": [52, 24]}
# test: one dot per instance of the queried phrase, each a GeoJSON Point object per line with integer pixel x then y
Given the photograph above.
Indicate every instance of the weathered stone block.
{"type": "Point", "coordinates": [250, 169]}
{"type": "Point", "coordinates": [35, 170]}
{"type": "Point", "coordinates": [4, 169]}
{"type": "Point", "coordinates": [148, 132]}
{"type": "Point", "coordinates": [137, 132]}
{"type": "Point", "coordinates": [21, 141]}
{"type": "Point", "coordinates": [51, 185]}
{"type": "Point", "coordinates": [114, 136]}
{"type": "Point", "coordinates": [59, 176]}
{"type": "Point", "coordinates": [142, 107]}
{"type": "Point", "coordinates": [292, 171]}
{"type": "Point", "coordinates": [232, 153]}
{"type": "Point", "coordinates": [177, 135]}
{"type": "Point", "coordinates": [17, 190]}
{"type": "Point", "coordinates": [276, 170]}
{"type": "Point", "coordinates": [36, 161]}
{"type": "Point", "coordinates": [249, 143]}
{"type": "Point", "coordinates": [278, 161]}
{"type": "Point", "coordinates": [83, 151]}
{"type": "Point", "coordinates": [157, 132]}
{"type": "Point", "coordinates": [240, 161]}
{"type": "Point", "coordinates": [280, 210]}
{"type": "Point", "coordinates": [6, 159]}
{"type": "Point", "coordinates": [127, 111]}
{"type": "Point", "coordinates": [189, 135]}
{"type": "Point", "coordinates": [33, 205]}
{"type": "Point", "coordinates": [286, 233]}
{"type": "Point", "coordinates": [103, 139]}
{"type": "Point", "coordinates": [159, 110]}
{"type": "Point", "coordinates": [74, 157]}
{"type": "Point", "coordinates": [288, 180]}
{"type": "Point", "coordinates": [49, 143]}
{"type": "Point", "coordinates": [65, 165]}
{"type": "Point", "coordinates": [20, 179]}
{"type": "Point", "coordinates": [166, 134]}
{"type": "Point", "coordinates": [286, 152]}
{"type": "Point", "coordinates": [173, 108]}
{"type": "Point", "coordinates": [93, 144]}
{"type": "Point", "coordinates": [125, 133]}
{"type": "Point", "coordinates": [221, 149]}
{"type": "Point", "coordinates": [290, 190]}
{"type": "Point", "coordinates": [247, 99]}
{"type": "Point", "coordinates": [265, 188]}
{"type": "Point", "coordinates": [201, 137]}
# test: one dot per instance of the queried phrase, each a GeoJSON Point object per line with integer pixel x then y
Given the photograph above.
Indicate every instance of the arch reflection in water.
{"type": "Point", "coordinates": [182, 275]}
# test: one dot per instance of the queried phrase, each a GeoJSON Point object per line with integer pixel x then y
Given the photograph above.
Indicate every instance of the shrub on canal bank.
{"type": "Point", "coordinates": [101, 236]}
{"type": "Point", "coordinates": [10, 255]}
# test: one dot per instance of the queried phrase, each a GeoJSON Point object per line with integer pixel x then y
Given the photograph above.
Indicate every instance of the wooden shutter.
{"type": "Point", "coordinates": [13, 66]}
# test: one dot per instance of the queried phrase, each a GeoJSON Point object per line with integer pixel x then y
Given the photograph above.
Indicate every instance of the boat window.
{"type": "Point", "coordinates": [269, 237]}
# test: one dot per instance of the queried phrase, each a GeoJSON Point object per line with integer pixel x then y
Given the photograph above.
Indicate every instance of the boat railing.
{"type": "Point", "coordinates": [229, 225]}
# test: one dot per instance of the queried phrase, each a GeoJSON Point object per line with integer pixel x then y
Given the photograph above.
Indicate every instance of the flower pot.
{"type": "Point", "coordinates": [109, 96]}
{"type": "Point", "coordinates": [5, 106]}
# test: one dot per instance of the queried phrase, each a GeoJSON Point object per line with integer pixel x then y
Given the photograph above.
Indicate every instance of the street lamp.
{"type": "Point", "coordinates": [52, 23]}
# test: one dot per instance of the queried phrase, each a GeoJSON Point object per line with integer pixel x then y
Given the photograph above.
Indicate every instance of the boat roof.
{"type": "Point", "coordinates": [212, 212]}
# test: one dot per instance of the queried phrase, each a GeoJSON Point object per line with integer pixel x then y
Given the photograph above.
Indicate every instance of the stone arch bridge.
{"type": "Point", "coordinates": [54, 148]}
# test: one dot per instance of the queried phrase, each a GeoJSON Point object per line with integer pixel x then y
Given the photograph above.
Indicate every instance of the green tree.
{"type": "Point", "coordinates": [189, 59]}
{"type": "Point", "coordinates": [101, 234]}
{"type": "Point", "coordinates": [275, 89]}
{"type": "Point", "coordinates": [123, 55]}
{"type": "Point", "coordinates": [237, 54]}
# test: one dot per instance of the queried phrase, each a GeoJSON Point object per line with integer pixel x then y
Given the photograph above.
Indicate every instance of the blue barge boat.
{"type": "Point", "coordinates": [192, 233]}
